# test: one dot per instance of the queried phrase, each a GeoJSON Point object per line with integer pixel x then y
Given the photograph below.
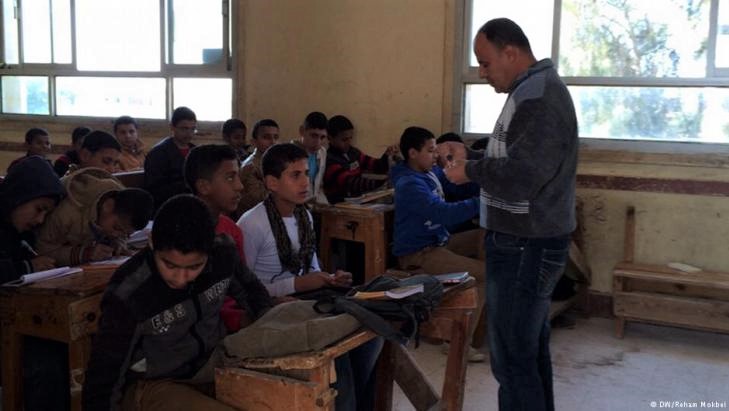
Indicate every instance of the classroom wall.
{"type": "Point", "coordinates": [388, 64]}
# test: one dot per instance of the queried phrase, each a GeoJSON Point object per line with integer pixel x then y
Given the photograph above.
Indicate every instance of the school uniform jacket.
{"type": "Point", "coordinates": [148, 330]}
{"type": "Point", "coordinates": [163, 168]}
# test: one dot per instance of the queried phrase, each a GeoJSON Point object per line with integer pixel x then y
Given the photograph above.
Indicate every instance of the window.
{"type": "Point", "coordinates": [116, 57]}
{"type": "Point", "coordinates": [636, 69]}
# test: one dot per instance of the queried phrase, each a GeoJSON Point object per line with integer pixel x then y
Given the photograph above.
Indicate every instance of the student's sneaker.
{"type": "Point", "coordinates": [474, 355]}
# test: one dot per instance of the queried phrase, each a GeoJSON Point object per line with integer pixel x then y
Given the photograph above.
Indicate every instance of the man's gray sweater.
{"type": "Point", "coordinates": [527, 172]}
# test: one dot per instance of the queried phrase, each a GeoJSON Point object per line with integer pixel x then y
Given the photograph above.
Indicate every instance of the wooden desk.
{"type": "Point", "coordinates": [131, 179]}
{"type": "Point", "coordinates": [360, 224]}
{"type": "Point", "coordinates": [64, 309]}
{"type": "Point", "coordinates": [301, 381]}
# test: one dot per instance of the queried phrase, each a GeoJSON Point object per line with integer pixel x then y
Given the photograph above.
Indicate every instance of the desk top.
{"type": "Point", "coordinates": [353, 209]}
{"type": "Point", "coordinates": [79, 284]}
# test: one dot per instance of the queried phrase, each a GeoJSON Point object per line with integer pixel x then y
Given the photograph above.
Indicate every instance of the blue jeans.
{"type": "Point", "coordinates": [520, 276]}
{"type": "Point", "coordinates": [356, 377]}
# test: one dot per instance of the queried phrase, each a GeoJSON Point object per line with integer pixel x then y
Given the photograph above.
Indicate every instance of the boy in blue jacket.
{"type": "Point", "coordinates": [422, 216]}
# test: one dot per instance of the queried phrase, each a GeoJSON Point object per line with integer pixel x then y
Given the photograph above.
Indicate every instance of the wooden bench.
{"type": "Point", "coordinates": [661, 295]}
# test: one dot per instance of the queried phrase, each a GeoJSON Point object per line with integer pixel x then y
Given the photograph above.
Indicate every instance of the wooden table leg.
{"type": "Point", "coordinates": [12, 368]}
{"type": "Point", "coordinates": [78, 356]}
{"type": "Point", "coordinates": [385, 378]}
{"type": "Point", "coordinates": [455, 373]}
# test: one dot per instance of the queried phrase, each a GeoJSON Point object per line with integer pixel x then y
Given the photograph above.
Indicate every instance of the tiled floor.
{"type": "Point", "coordinates": [595, 371]}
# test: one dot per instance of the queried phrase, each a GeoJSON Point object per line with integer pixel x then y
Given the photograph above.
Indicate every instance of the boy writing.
{"type": "Point", "coordinates": [160, 315]}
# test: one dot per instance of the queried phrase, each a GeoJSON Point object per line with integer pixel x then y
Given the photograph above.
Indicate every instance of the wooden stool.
{"type": "Point", "coordinates": [298, 382]}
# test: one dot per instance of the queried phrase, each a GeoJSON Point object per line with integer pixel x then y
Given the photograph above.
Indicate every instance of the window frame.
{"type": "Point", "coordinates": [226, 68]}
{"type": "Point", "coordinates": [465, 74]}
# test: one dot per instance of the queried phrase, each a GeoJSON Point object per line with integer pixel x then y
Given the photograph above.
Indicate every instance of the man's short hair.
{"type": "Point", "coordinates": [503, 32]}
{"type": "Point", "coordinates": [231, 125]}
{"type": "Point", "coordinates": [266, 122]}
{"type": "Point", "coordinates": [203, 162]}
{"type": "Point", "coordinates": [182, 113]}
{"type": "Point", "coordinates": [134, 204]}
{"type": "Point", "coordinates": [34, 132]}
{"type": "Point", "coordinates": [185, 224]}
{"type": "Point", "coordinates": [125, 120]}
{"type": "Point", "coordinates": [279, 156]}
{"type": "Point", "coordinates": [78, 133]}
{"type": "Point", "coordinates": [99, 140]}
{"type": "Point", "coordinates": [315, 120]}
{"type": "Point", "coordinates": [449, 137]}
{"type": "Point", "coordinates": [337, 124]}
{"type": "Point", "coordinates": [414, 137]}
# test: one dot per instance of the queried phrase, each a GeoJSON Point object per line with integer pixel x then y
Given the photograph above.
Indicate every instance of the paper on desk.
{"type": "Point", "coordinates": [141, 235]}
{"type": "Point", "coordinates": [43, 275]}
{"type": "Point", "coordinates": [112, 261]}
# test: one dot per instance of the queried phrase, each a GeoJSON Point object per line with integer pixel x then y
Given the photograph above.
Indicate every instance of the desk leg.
{"type": "Point", "coordinates": [375, 245]}
{"type": "Point", "coordinates": [385, 378]}
{"type": "Point", "coordinates": [455, 373]}
{"type": "Point", "coordinates": [78, 356]}
{"type": "Point", "coordinates": [12, 368]}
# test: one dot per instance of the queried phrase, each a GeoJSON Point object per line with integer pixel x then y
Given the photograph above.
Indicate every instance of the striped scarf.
{"type": "Point", "coordinates": [295, 263]}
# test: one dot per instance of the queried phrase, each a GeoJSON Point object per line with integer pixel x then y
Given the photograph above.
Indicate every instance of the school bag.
{"type": "Point", "coordinates": [379, 315]}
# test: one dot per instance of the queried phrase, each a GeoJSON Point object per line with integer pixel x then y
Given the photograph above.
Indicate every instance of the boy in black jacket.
{"type": "Point", "coordinates": [30, 190]}
{"type": "Point", "coordinates": [161, 314]}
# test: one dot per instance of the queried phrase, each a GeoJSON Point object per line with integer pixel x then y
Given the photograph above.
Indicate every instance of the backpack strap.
{"type": "Point", "coordinates": [368, 318]}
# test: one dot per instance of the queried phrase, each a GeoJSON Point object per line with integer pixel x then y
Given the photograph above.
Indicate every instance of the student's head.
{"type": "Point", "coordinates": [183, 125]}
{"type": "Point", "coordinates": [77, 137]}
{"type": "Point", "coordinates": [313, 131]}
{"type": "Point", "coordinates": [121, 212]}
{"type": "Point", "coordinates": [285, 168]}
{"type": "Point", "coordinates": [101, 150]}
{"type": "Point", "coordinates": [341, 133]}
{"type": "Point", "coordinates": [503, 52]}
{"type": "Point", "coordinates": [182, 238]}
{"type": "Point", "coordinates": [418, 148]}
{"type": "Point", "coordinates": [30, 190]}
{"type": "Point", "coordinates": [38, 142]}
{"type": "Point", "coordinates": [234, 133]}
{"type": "Point", "coordinates": [211, 173]}
{"type": "Point", "coordinates": [126, 131]}
{"type": "Point", "coordinates": [449, 137]}
{"type": "Point", "coordinates": [265, 134]}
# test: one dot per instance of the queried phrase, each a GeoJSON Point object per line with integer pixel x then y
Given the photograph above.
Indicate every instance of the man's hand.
{"type": "Point", "coordinates": [456, 172]}
{"type": "Point", "coordinates": [42, 263]}
{"type": "Point", "coordinates": [450, 151]}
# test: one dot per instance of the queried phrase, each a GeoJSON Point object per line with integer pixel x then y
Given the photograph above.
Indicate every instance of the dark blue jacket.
{"type": "Point", "coordinates": [421, 213]}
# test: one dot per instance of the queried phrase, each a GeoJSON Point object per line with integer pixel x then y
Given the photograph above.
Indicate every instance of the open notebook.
{"type": "Point", "coordinates": [43, 275]}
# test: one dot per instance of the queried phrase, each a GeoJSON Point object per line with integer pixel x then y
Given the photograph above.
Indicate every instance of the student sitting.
{"type": "Point", "coordinates": [312, 135]}
{"type": "Point", "coordinates": [126, 131]}
{"type": "Point", "coordinates": [345, 163]}
{"type": "Point", "coordinates": [280, 249]}
{"type": "Point", "coordinates": [94, 221]}
{"type": "Point", "coordinates": [71, 156]}
{"type": "Point", "coordinates": [163, 165]}
{"type": "Point", "coordinates": [265, 134]}
{"type": "Point", "coordinates": [98, 150]}
{"type": "Point", "coordinates": [37, 142]}
{"type": "Point", "coordinates": [421, 238]}
{"type": "Point", "coordinates": [160, 315]}
{"type": "Point", "coordinates": [30, 190]}
{"type": "Point", "coordinates": [234, 135]}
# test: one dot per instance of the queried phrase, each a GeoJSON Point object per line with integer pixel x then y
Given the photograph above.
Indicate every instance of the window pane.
{"type": "Point", "coordinates": [679, 114]}
{"type": "Point", "coordinates": [210, 98]}
{"type": "Point", "coordinates": [118, 35]}
{"type": "Point", "coordinates": [537, 24]}
{"type": "Point", "coordinates": [25, 95]}
{"type": "Point", "coordinates": [641, 38]}
{"type": "Point", "coordinates": [10, 31]}
{"type": "Point", "coordinates": [36, 31]}
{"type": "Point", "coordinates": [482, 108]}
{"type": "Point", "coordinates": [722, 36]}
{"type": "Point", "coordinates": [191, 46]}
{"type": "Point", "coordinates": [62, 31]}
{"type": "Point", "coordinates": [110, 97]}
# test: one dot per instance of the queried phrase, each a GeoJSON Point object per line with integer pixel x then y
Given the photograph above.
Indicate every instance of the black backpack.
{"type": "Point", "coordinates": [377, 315]}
